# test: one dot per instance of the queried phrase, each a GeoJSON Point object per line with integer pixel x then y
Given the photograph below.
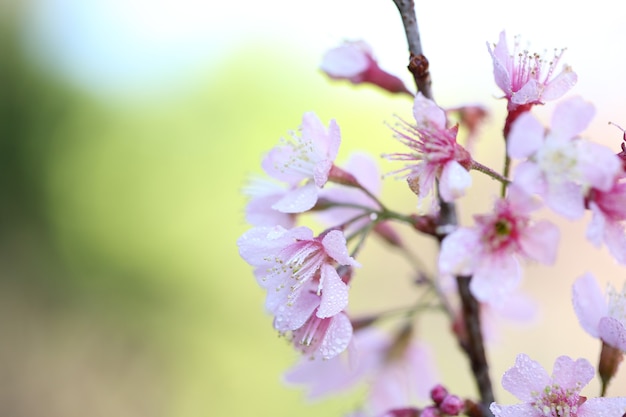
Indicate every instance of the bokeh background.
{"type": "Point", "coordinates": [127, 130]}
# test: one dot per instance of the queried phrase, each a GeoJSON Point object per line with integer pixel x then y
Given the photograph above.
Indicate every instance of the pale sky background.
{"type": "Point", "coordinates": [123, 43]}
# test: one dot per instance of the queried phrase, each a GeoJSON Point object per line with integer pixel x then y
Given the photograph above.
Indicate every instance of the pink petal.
{"type": "Point", "coordinates": [257, 243]}
{"type": "Point", "coordinates": [321, 171]}
{"type": "Point", "coordinates": [500, 56]}
{"type": "Point", "coordinates": [612, 332]}
{"type": "Point", "coordinates": [526, 136]}
{"type": "Point", "coordinates": [526, 378]}
{"type": "Point", "coordinates": [458, 252]}
{"type": "Point", "coordinates": [570, 374]}
{"type": "Point", "coordinates": [259, 212]}
{"type": "Point", "coordinates": [497, 276]}
{"type": "Point", "coordinates": [294, 316]}
{"type": "Point", "coordinates": [560, 85]}
{"type": "Point", "coordinates": [365, 170]}
{"type": "Point", "coordinates": [337, 336]}
{"type": "Point", "coordinates": [571, 117]}
{"type": "Point", "coordinates": [589, 303]}
{"type": "Point", "coordinates": [529, 93]}
{"type": "Point", "coordinates": [595, 230]}
{"type": "Point", "coordinates": [298, 200]}
{"type": "Point", "coordinates": [427, 113]}
{"type": "Point", "coordinates": [615, 239]}
{"type": "Point", "coordinates": [566, 198]}
{"type": "Point", "coordinates": [334, 293]}
{"type": "Point", "coordinates": [454, 181]}
{"type": "Point", "coordinates": [540, 242]}
{"type": "Point", "coordinates": [323, 377]}
{"type": "Point", "coordinates": [277, 158]}
{"type": "Point", "coordinates": [521, 202]}
{"type": "Point", "coordinates": [599, 165]}
{"type": "Point", "coordinates": [529, 177]}
{"type": "Point", "coordinates": [345, 61]}
{"type": "Point", "coordinates": [604, 407]}
{"type": "Point", "coordinates": [421, 371]}
{"type": "Point", "coordinates": [335, 246]}
{"type": "Point", "coordinates": [517, 410]}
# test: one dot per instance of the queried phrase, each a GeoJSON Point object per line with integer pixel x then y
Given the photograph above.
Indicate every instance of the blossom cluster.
{"type": "Point", "coordinates": [307, 275]}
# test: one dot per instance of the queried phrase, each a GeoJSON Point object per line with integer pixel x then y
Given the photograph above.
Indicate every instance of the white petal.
{"type": "Point", "coordinates": [526, 136]}
{"type": "Point", "coordinates": [454, 181]}
{"type": "Point", "coordinates": [589, 303]}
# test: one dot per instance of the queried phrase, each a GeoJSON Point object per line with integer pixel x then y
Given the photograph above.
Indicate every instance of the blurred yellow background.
{"type": "Point", "coordinates": [127, 131]}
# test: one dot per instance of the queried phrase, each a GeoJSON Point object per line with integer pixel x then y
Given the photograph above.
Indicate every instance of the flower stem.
{"type": "Point", "coordinates": [493, 174]}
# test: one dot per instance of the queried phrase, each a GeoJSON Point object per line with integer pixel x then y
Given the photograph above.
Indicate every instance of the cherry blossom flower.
{"type": "Point", "coordinates": [561, 166]}
{"type": "Point", "coordinates": [543, 395]}
{"type": "Point", "coordinates": [435, 155]}
{"type": "Point", "coordinates": [313, 332]}
{"type": "Point", "coordinates": [263, 194]}
{"type": "Point", "coordinates": [396, 373]}
{"type": "Point", "coordinates": [527, 79]}
{"type": "Point", "coordinates": [290, 263]}
{"type": "Point", "coordinates": [609, 213]}
{"type": "Point", "coordinates": [304, 162]}
{"type": "Point", "coordinates": [490, 251]}
{"type": "Point", "coordinates": [601, 316]}
{"type": "Point", "coordinates": [354, 61]}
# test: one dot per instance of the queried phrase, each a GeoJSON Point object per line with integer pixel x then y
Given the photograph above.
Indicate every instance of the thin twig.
{"type": "Point", "coordinates": [475, 348]}
{"type": "Point", "coordinates": [418, 64]}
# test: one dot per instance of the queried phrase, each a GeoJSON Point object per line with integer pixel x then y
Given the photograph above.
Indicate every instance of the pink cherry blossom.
{"type": "Point", "coordinates": [290, 263]}
{"type": "Point", "coordinates": [560, 166]}
{"type": "Point", "coordinates": [601, 316]}
{"type": "Point", "coordinates": [435, 153]}
{"type": "Point", "coordinates": [394, 380]}
{"type": "Point", "coordinates": [557, 395]}
{"type": "Point", "coordinates": [263, 194]}
{"type": "Point", "coordinates": [354, 61]}
{"type": "Point", "coordinates": [527, 79]}
{"type": "Point", "coordinates": [609, 213]}
{"type": "Point", "coordinates": [490, 251]}
{"type": "Point", "coordinates": [304, 162]}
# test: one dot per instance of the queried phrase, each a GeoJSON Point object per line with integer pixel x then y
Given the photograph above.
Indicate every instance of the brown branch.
{"type": "Point", "coordinates": [418, 64]}
{"type": "Point", "coordinates": [447, 219]}
{"type": "Point", "coordinates": [474, 346]}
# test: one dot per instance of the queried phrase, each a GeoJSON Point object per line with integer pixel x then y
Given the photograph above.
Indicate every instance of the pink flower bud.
{"type": "Point", "coordinates": [353, 61]}
{"type": "Point", "coordinates": [438, 393]}
{"type": "Point", "coordinates": [452, 405]}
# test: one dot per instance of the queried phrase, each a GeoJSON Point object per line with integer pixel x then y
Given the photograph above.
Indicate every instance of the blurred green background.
{"type": "Point", "coordinates": [121, 289]}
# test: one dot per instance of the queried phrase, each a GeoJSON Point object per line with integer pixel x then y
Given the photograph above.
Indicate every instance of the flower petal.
{"type": "Point", "coordinates": [571, 117]}
{"type": "Point", "coordinates": [605, 407]}
{"type": "Point", "coordinates": [335, 246]}
{"type": "Point", "coordinates": [427, 114]}
{"type": "Point", "coordinates": [526, 136]}
{"type": "Point", "coordinates": [570, 374]}
{"type": "Point", "coordinates": [540, 241]}
{"type": "Point", "coordinates": [298, 200]}
{"type": "Point", "coordinates": [454, 181]}
{"type": "Point", "coordinates": [334, 293]}
{"type": "Point", "coordinates": [497, 276]}
{"type": "Point", "coordinates": [560, 85]}
{"type": "Point", "coordinates": [525, 378]}
{"type": "Point", "coordinates": [337, 336]}
{"type": "Point", "coordinates": [612, 332]}
{"type": "Point", "coordinates": [589, 303]}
